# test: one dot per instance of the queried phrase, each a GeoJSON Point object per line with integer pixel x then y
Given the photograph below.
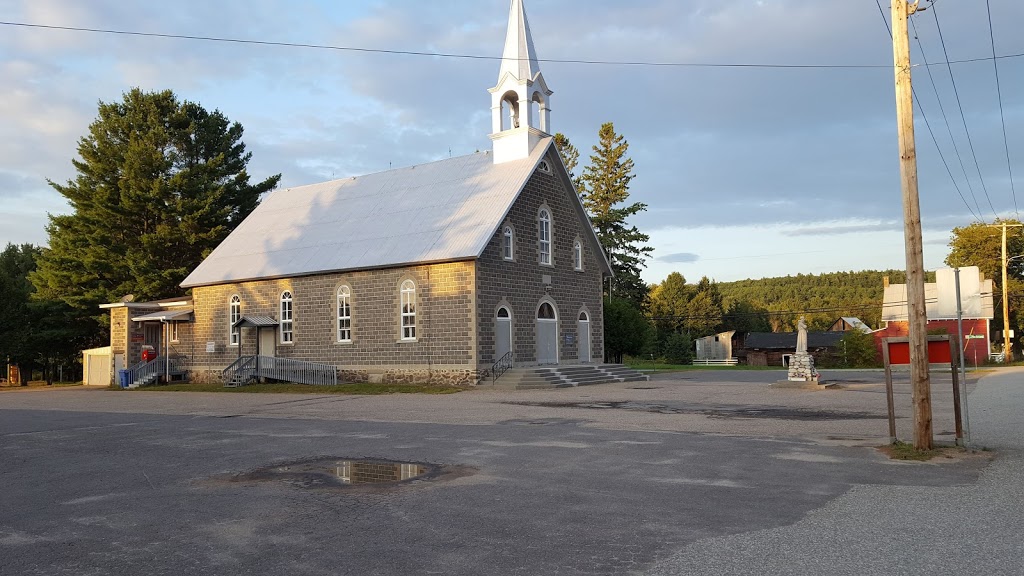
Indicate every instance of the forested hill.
{"type": "Point", "coordinates": [856, 294]}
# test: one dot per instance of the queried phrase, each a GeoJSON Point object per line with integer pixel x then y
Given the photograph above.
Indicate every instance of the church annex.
{"type": "Point", "coordinates": [430, 273]}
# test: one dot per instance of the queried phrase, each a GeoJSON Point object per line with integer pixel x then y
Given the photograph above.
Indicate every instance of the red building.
{"type": "Point", "coordinates": [940, 301]}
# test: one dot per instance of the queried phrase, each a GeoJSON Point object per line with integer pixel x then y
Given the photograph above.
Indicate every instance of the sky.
{"type": "Point", "coordinates": [747, 172]}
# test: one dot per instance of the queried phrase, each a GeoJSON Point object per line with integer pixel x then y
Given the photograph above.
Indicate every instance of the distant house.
{"type": "Point", "coordinates": [848, 323]}
{"type": "Point", "coordinates": [940, 304]}
{"type": "Point", "coordinates": [716, 347]}
{"type": "Point", "coordinates": [774, 348]}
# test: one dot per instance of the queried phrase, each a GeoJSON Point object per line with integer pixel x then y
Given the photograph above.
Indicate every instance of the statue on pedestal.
{"type": "Point", "coordinates": [801, 337]}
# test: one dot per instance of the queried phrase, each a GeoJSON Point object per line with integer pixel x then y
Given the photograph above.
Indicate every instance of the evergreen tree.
{"type": "Point", "coordinates": [605, 191]}
{"type": "Point", "coordinates": [670, 304]}
{"type": "Point", "coordinates": [570, 157]}
{"type": "Point", "coordinates": [626, 331]}
{"type": "Point", "coordinates": [160, 183]}
{"type": "Point", "coordinates": [34, 332]}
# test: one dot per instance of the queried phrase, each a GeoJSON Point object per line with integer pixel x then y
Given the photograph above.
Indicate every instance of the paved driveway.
{"type": "Point", "coordinates": [672, 476]}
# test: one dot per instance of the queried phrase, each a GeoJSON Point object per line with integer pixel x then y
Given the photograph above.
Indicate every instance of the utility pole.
{"type": "Point", "coordinates": [1007, 351]}
{"type": "Point", "coordinates": [1006, 307]}
{"type": "Point", "coordinates": [917, 318]}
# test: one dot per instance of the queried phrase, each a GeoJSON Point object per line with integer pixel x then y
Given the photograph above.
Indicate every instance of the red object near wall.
{"type": "Point", "coordinates": [938, 353]}
{"type": "Point", "coordinates": [975, 351]}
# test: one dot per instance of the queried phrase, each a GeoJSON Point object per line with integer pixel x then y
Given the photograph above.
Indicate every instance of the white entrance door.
{"type": "Point", "coordinates": [502, 333]}
{"type": "Point", "coordinates": [547, 335]}
{"type": "Point", "coordinates": [583, 328]}
{"type": "Point", "coordinates": [268, 339]}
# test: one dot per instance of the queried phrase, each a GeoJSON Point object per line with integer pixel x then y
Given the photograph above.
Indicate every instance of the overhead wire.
{"type": "Point", "coordinates": [945, 120]}
{"type": "Point", "coordinates": [1002, 116]}
{"type": "Point", "coordinates": [959, 104]}
{"type": "Point", "coordinates": [795, 66]}
{"type": "Point", "coordinates": [931, 132]}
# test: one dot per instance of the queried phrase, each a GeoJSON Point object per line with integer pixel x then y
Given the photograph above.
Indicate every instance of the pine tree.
{"type": "Point", "coordinates": [160, 183]}
{"type": "Point", "coordinates": [605, 191]}
{"type": "Point", "coordinates": [570, 157]}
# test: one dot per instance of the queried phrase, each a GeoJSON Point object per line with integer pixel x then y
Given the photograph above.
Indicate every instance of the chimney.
{"type": "Point", "coordinates": [885, 282]}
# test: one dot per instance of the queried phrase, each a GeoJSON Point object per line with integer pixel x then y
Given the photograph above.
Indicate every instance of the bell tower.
{"type": "Point", "coordinates": [520, 103]}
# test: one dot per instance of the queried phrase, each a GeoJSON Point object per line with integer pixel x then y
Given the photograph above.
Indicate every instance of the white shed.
{"type": "Point", "coordinates": [96, 367]}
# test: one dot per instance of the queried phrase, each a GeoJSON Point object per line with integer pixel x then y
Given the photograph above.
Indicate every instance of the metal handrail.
{"type": "Point", "coordinates": [504, 364]}
{"type": "Point", "coordinates": [298, 371]}
{"type": "Point", "coordinates": [244, 365]}
{"type": "Point", "coordinates": [143, 371]}
{"type": "Point", "coordinates": [283, 369]}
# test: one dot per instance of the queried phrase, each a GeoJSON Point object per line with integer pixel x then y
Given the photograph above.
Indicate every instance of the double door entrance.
{"type": "Point", "coordinates": [546, 333]}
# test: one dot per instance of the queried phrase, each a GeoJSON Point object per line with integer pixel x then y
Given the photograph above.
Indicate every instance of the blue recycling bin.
{"type": "Point", "coordinates": [122, 377]}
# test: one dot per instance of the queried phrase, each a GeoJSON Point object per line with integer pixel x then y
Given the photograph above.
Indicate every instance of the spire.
{"type": "Point", "coordinates": [520, 103]}
{"type": "Point", "coordinates": [520, 57]}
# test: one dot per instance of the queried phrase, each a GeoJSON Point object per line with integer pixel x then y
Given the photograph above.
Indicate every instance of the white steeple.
{"type": "Point", "coordinates": [520, 103]}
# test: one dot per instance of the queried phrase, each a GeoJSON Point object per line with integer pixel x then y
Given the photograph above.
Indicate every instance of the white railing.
{"type": "Point", "coordinates": [145, 373]}
{"type": "Point", "coordinates": [298, 371]}
{"type": "Point", "coordinates": [722, 362]}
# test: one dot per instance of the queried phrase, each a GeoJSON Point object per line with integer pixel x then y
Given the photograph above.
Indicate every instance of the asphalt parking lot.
{"type": "Point", "coordinates": [691, 473]}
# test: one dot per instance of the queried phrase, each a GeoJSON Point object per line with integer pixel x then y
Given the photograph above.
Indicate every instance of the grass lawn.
{"type": "Point", "coordinates": [685, 367]}
{"type": "Point", "coordinates": [364, 389]}
{"type": "Point", "coordinates": [39, 384]}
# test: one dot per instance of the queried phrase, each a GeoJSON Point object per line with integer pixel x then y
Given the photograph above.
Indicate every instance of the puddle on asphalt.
{"type": "Point", "coordinates": [337, 473]}
{"type": "Point", "coordinates": [778, 413]}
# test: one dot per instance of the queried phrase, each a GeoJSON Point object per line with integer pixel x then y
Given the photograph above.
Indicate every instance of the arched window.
{"type": "Point", "coordinates": [287, 319]}
{"type": "Point", "coordinates": [234, 315]}
{"type": "Point", "coordinates": [546, 312]}
{"type": "Point", "coordinates": [544, 236]}
{"type": "Point", "coordinates": [408, 310]}
{"type": "Point", "coordinates": [508, 245]}
{"type": "Point", "coordinates": [584, 317]}
{"type": "Point", "coordinates": [503, 313]}
{"type": "Point", "coordinates": [344, 314]}
{"type": "Point", "coordinates": [577, 255]}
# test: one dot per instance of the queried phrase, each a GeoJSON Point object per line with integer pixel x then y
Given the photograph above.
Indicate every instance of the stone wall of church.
{"type": "Point", "coordinates": [442, 351]}
{"type": "Point", "coordinates": [521, 284]}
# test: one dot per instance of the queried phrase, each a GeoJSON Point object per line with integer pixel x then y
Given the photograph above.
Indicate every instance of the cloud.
{"type": "Point", "coordinates": [680, 258]}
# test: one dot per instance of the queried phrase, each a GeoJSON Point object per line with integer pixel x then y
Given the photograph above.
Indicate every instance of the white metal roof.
{"type": "Point", "coordinates": [179, 315]}
{"type": "Point", "coordinates": [437, 212]}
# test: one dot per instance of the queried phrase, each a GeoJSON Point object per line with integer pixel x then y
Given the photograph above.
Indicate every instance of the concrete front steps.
{"type": "Point", "coordinates": [565, 376]}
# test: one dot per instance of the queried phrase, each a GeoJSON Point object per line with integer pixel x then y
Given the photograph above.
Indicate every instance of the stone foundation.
{"type": "Point", "coordinates": [435, 377]}
{"type": "Point", "coordinates": [353, 376]}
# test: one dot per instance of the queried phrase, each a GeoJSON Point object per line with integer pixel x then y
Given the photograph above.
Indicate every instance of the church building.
{"type": "Point", "coordinates": [430, 273]}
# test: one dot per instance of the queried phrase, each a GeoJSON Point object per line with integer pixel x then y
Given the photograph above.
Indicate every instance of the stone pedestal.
{"type": "Point", "coordinates": [802, 374]}
{"type": "Point", "coordinates": [801, 368]}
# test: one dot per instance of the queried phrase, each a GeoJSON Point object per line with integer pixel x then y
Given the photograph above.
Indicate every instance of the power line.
{"type": "Point", "coordinates": [956, 92]}
{"type": "Point", "coordinates": [482, 57]}
{"type": "Point", "coordinates": [928, 125]}
{"type": "Point", "coordinates": [945, 120]}
{"type": "Point", "coordinates": [1002, 117]}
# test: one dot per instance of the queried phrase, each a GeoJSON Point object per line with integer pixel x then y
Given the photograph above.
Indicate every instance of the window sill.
{"type": "Point", "coordinates": [344, 343]}
{"type": "Point", "coordinates": [407, 340]}
{"type": "Point", "coordinates": [292, 343]}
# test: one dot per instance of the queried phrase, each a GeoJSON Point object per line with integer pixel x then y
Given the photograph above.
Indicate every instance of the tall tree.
{"type": "Point", "coordinates": [160, 183]}
{"type": "Point", "coordinates": [980, 245]}
{"type": "Point", "coordinates": [626, 331]}
{"type": "Point", "coordinates": [670, 304]}
{"type": "Point", "coordinates": [34, 332]}
{"type": "Point", "coordinates": [570, 157]}
{"type": "Point", "coordinates": [16, 262]}
{"type": "Point", "coordinates": [605, 193]}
